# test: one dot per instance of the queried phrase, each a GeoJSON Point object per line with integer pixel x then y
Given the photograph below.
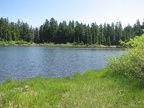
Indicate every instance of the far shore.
{"type": "Point", "coordinates": [65, 45]}
{"type": "Point", "coordinates": [61, 45]}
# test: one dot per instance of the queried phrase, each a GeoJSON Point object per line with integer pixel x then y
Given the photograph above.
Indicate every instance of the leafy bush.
{"type": "Point", "coordinates": [74, 43]}
{"type": "Point", "coordinates": [68, 44]}
{"type": "Point", "coordinates": [137, 41]}
{"type": "Point", "coordinates": [10, 42]}
{"type": "Point", "coordinates": [20, 42]}
{"type": "Point", "coordinates": [81, 43]}
{"type": "Point", "coordinates": [2, 43]}
{"type": "Point", "coordinates": [130, 63]}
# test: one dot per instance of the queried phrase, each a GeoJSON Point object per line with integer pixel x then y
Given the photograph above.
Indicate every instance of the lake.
{"type": "Point", "coordinates": [19, 62]}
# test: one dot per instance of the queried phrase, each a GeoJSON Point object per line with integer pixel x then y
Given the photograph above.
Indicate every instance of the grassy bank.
{"type": "Point", "coordinates": [78, 45]}
{"type": "Point", "coordinates": [93, 89]}
{"type": "Point", "coordinates": [3, 43]}
{"type": "Point", "coordinates": [20, 42]}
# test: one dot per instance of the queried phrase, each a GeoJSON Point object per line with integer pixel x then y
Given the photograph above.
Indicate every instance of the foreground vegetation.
{"type": "Point", "coordinates": [93, 89]}
{"type": "Point", "coordinates": [130, 63]}
{"type": "Point", "coordinates": [120, 85]}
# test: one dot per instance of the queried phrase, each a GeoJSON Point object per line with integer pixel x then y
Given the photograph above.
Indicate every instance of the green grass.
{"type": "Point", "coordinates": [94, 89]}
{"type": "Point", "coordinates": [57, 45]}
{"type": "Point", "coordinates": [51, 44]}
{"type": "Point", "coordinates": [2, 43]}
{"type": "Point", "coordinates": [80, 45]}
{"type": "Point", "coordinates": [19, 42]}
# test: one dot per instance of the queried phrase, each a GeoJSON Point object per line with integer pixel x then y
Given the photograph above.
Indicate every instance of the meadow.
{"type": "Point", "coordinates": [94, 89]}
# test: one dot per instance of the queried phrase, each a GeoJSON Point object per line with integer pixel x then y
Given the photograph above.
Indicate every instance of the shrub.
{"type": "Point", "coordinates": [2, 43]}
{"type": "Point", "coordinates": [137, 41]}
{"type": "Point", "coordinates": [68, 44]}
{"type": "Point", "coordinates": [10, 42]}
{"type": "Point", "coordinates": [130, 63]}
{"type": "Point", "coordinates": [74, 43]}
{"type": "Point", "coordinates": [20, 42]}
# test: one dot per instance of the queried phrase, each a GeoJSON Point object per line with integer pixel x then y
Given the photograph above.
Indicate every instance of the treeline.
{"type": "Point", "coordinates": [10, 31]}
{"type": "Point", "coordinates": [73, 32]}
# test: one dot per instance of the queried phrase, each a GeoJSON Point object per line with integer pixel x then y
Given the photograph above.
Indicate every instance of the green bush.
{"type": "Point", "coordinates": [137, 41]}
{"type": "Point", "coordinates": [130, 63]}
{"type": "Point", "coordinates": [20, 42]}
{"type": "Point", "coordinates": [2, 43]}
{"type": "Point", "coordinates": [10, 42]}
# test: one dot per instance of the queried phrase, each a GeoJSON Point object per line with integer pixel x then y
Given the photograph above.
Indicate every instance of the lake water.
{"type": "Point", "coordinates": [20, 62]}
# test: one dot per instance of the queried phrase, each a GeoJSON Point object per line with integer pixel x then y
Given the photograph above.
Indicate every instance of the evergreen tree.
{"type": "Point", "coordinates": [71, 37]}
{"type": "Point", "coordinates": [109, 33]}
{"type": "Point", "coordinates": [46, 29]}
{"type": "Point", "coordinates": [118, 32]}
{"type": "Point", "coordinates": [53, 29]}
{"type": "Point", "coordinates": [41, 34]}
{"type": "Point", "coordinates": [102, 39]}
{"type": "Point", "coordinates": [36, 35]}
{"type": "Point", "coordinates": [89, 35]}
{"type": "Point", "coordinates": [113, 38]}
{"type": "Point", "coordinates": [137, 28]}
{"type": "Point", "coordinates": [94, 33]}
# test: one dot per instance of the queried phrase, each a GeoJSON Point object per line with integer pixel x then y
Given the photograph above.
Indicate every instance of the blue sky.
{"type": "Point", "coordinates": [34, 12]}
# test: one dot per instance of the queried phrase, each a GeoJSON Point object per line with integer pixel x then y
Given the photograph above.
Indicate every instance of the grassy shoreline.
{"type": "Point", "coordinates": [93, 89]}
{"type": "Point", "coordinates": [24, 43]}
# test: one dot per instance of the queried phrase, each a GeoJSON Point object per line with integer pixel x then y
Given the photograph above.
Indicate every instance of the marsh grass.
{"type": "Point", "coordinates": [94, 89]}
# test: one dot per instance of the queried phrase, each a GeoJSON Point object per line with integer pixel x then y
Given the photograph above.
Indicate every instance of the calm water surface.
{"type": "Point", "coordinates": [20, 62]}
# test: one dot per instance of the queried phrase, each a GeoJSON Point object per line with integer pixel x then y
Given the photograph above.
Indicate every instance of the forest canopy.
{"type": "Point", "coordinates": [72, 31]}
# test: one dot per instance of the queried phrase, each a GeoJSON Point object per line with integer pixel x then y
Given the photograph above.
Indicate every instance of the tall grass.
{"type": "Point", "coordinates": [93, 89]}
